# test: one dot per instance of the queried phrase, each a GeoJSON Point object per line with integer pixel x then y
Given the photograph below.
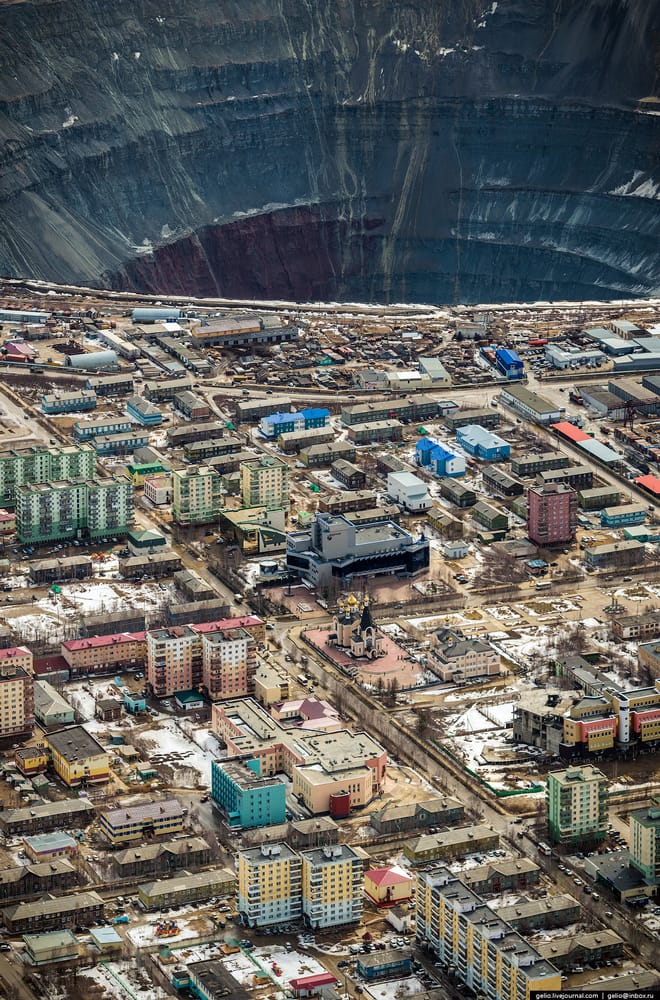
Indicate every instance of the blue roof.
{"type": "Point", "coordinates": [279, 418]}
{"type": "Point", "coordinates": [439, 451]}
{"type": "Point", "coordinates": [476, 434]}
{"type": "Point", "coordinates": [507, 356]}
{"type": "Point", "coordinates": [425, 444]}
{"type": "Point", "coordinates": [315, 411]}
{"type": "Point", "coordinates": [105, 935]}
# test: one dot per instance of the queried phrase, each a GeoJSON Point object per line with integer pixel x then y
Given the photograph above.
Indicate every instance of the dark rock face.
{"type": "Point", "coordinates": [429, 150]}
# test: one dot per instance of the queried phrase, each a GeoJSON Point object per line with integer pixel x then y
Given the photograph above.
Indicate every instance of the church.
{"type": "Point", "coordinates": [353, 629]}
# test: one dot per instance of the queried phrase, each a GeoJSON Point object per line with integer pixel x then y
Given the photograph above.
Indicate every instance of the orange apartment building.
{"type": "Point", "coordinates": [16, 692]}
{"type": "Point", "coordinates": [219, 656]}
{"type": "Point", "coordinates": [613, 718]}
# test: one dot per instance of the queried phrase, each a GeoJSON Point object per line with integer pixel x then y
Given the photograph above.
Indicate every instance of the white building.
{"type": "Point", "coordinates": [409, 491]}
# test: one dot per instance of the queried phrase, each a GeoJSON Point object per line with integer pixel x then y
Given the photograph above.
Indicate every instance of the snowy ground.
{"type": "Point", "coordinates": [121, 980]}
{"type": "Point", "coordinates": [175, 742]}
{"type": "Point", "coordinates": [396, 989]}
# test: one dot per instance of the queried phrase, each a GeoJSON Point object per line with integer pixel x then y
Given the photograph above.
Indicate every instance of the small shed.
{"type": "Point", "coordinates": [308, 986]}
{"type": "Point", "coordinates": [189, 700]}
{"type": "Point", "coordinates": [106, 939]}
{"type": "Point", "coordinates": [108, 709]}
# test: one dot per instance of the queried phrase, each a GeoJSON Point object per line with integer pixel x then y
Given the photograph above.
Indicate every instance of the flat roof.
{"type": "Point", "coordinates": [75, 744]}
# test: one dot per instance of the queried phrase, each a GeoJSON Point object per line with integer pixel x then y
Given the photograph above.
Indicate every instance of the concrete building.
{"type": "Point", "coordinates": [54, 914]}
{"type": "Point", "coordinates": [158, 489]}
{"type": "Point", "coordinates": [539, 720]}
{"type": "Point", "coordinates": [269, 885]}
{"type": "Point", "coordinates": [320, 765]}
{"type": "Point", "coordinates": [87, 430]}
{"type": "Point", "coordinates": [245, 798]}
{"type": "Point", "coordinates": [265, 482]}
{"type": "Point", "coordinates": [409, 491]}
{"type": "Point", "coordinates": [42, 847]}
{"type": "Point", "coordinates": [51, 946]}
{"type": "Point", "coordinates": [454, 843]}
{"type": "Point", "coordinates": [336, 547]}
{"type": "Point", "coordinates": [642, 626]}
{"type": "Point", "coordinates": [331, 886]}
{"type": "Point", "coordinates": [530, 404]}
{"type": "Point", "coordinates": [483, 444]}
{"type": "Point", "coordinates": [577, 800]}
{"type": "Point", "coordinates": [186, 888]}
{"type": "Point", "coordinates": [229, 663]}
{"type": "Point", "coordinates": [436, 371]}
{"type": "Point", "coordinates": [73, 509]}
{"type": "Point", "coordinates": [104, 653]}
{"type": "Point", "coordinates": [458, 658]}
{"type": "Point", "coordinates": [388, 886]}
{"type": "Point", "coordinates": [489, 957]}
{"type": "Point", "coordinates": [530, 465]}
{"type": "Point", "coordinates": [645, 842]}
{"type": "Point", "coordinates": [622, 515]}
{"type": "Point", "coordinates": [160, 818]}
{"type": "Point", "coordinates": [197, 495]}
{"type": "Point", "coordinates": [242, 330]}
{"type": "Point", "coordinates": [50, 708]}
{"type": "Point", "coordinates": [77, 758]}
{"type": "Point", "coordinates": [42, 464]}
{"type": "Point", "coordinates": [16, 693]}
{"type": "Point", "coordinates": [624, 553]}
{"type": "Point", "coordinates": [551, 514]}
{"type": "Point", "coordinates": [271, 684]}
{"type": "Point", "coordinates": [197, 611]}
{"type": "Point", "coordinates": [439, 459]}
{"type": "Point", "coordinates": [274, 424]}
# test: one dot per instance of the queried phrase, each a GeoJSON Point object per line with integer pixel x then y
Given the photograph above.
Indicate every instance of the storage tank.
{"type": "Point", "coordinates": [94, 361]}
{"type": "Point", "coordinates": [268, 567]}
{"type": "Point", "coordinates": [340, 805]}
{"type": "Point", "coordinates": [164, 314]}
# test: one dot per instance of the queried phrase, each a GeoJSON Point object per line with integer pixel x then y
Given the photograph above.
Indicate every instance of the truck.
{"type": "Point", "coordinates": [123, 919]}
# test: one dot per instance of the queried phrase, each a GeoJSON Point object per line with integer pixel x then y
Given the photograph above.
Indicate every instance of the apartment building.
{"type": "Point", "coordinates": [16, 693]}
{"type": "Point", "coordinates": [645, 842]}
{"type": "Point", "coordinates": [265, 482]}
{"type": "Point", "coordinates": [578, 802]}
{"type": "Point", "coordinates": [229, 663]}
{"type": "Point", "coordinates": [70, 509]}
{"type": "Point", "coordinates": [421, 406]}
{"type": "Point", "coordinates": [55, 570]}
{"type": "Point", "coordinates": [179, 660]}
{"type": "Point", "coordinates": [87, 430]}
{"type": "Point", "coordinates": [41, 464]}
{"type": "Point", "coordinates": [332, 886]}
{"type": "Point", "coordinates": [454, 843]}
{"type": "Point", "coordinates": [274, 424]}
{"type": "Point", "coordinates": [269, 885]}
{"type": "Point", "coordinates": [551, 514]}
{"type": "Point", "coordinates": [186, 888]}
{"type": "Point", "coordinates": [486, 954]}
{"type": "Point", "coordinates": [544, 461]}
{"type": "Point", "coordinates": [77, 758]}
{"type": "Point", "coordinates": [143, 411]}
{"type": "Point", "coordinates": [37, 879]}
{"type": "Point", "coordinates": [68, 402]}
{"type": "Point", "coordinates": [37, 818]}
{"type": "Point", "coordinates": [147, 820]}
{"type": "Point", "coordinates": [245, 798]}
{"type": "Point", "coordinates": [54, 913]}
{"type": "Point", "coordinates": [110, 385]}
{"type": "Point", "coordinates": [197, 495]}
{"type": "Point", "coordinates": [105, 653]}
{"type": "Point", "coordinates": [167, 856]}
{"type": "Point", "coordinates": [158, 489]}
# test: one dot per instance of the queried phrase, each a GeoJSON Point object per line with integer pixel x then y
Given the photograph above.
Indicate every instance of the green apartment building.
{"type": "Point", "coordinates": [265, 482]}
{"type": "Point", "coordinates": [40, 464]}
{"type": "Point", "coordinates": [645, 841]}
{"type": "Point", "coordinates": [73, 509]}
{"type": "Point", "coordinates": [578, 806]}
{"type": "Point", "coordinates": [197, 495]}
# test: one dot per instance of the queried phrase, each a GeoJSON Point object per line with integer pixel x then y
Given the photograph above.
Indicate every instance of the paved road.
{"type": "Point", "coordinates": [11, 980]}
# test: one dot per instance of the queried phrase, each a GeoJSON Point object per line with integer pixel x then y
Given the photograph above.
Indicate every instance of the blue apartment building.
{"type": "Point", "coordinates": [274, 424]}
{"type": "Point", "coordinates": [509, 363]}
{"type": "Point", "coordinates": [245, 798]}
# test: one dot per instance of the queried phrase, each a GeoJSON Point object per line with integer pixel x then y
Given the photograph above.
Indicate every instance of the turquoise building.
{"type": "Point", "coordinates": [246, 798]}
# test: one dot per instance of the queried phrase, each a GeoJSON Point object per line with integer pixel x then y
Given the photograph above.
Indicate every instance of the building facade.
{"type": "Point", "coordinates": [73, 509]}
{"type": "Point", "coordinates": [265, 482]}
{"type": "Point", "coordinates": [332, 885]}
{"type": "Point", "coordinates": [578, 802]}
{"type": "Point", "coordinates": [16, 693]}
{"type": "Point", "coordinates": [77, 758]}
{"type": "Point", "coordinates": [245, 798]}
{"type": "Point", "coordinates": [551, 514]}
{"type": "Point", "coordinates": [269, 885]}
{"type": "Point", "coordinates": [197, 495]}
{"type": "Point", "coordinates": [150, 819]}
{"type": "Point", "coordinates": [645, 842]}
{"type": "Point", "coordinates": [41, 464]}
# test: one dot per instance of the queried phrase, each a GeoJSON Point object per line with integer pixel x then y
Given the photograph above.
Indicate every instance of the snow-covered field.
{"type": "Point", "coordinates": [396, 989]}
{"type": "Point", "coordinates": [170, 743]}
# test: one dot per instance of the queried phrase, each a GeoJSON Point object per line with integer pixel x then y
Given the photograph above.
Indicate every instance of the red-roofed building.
{"type": "Point", "coordinates": [105, 653]}
{"type": "Point", "coordinates": [388, 886]}
{"type": "Point", "coordinates": [569, 431]}
{"type": "Point", "coordinates": [307, 986]}
{"type": "Point", "coordinates": [17, 350]}
{"type": "Point", "coordinates": [7, 522]}
{"type": "Point", "coordinates": [651, 484]}
{"type": "Point", "coordinates": [255, 626]}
